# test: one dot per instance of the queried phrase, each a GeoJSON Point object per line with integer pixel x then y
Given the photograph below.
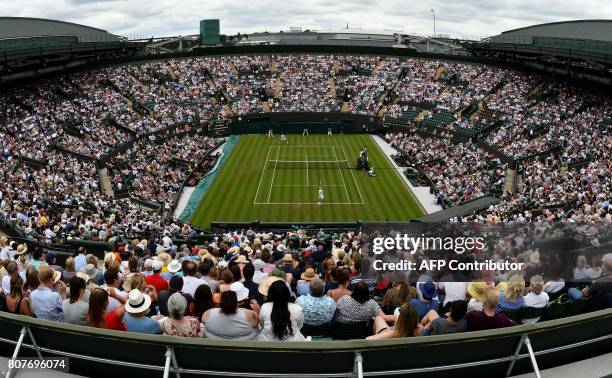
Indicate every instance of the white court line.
{"type": "Point", "coordinates": [342, 175]}
{"type": "Point", "coordinates": [273, 173]}
{"type": "Point", "coordinates": [353, 173]}
{"type": "Point", "coordinates": [304, 186]}
{"type": "Point", "coordinates": [307, 203]}
{"type": "Point", "coordinates": [306, 169]}
{"type": "Point", "coordinates": [263, 170]}
{"type": "Point", "coordinates": [290, 146]}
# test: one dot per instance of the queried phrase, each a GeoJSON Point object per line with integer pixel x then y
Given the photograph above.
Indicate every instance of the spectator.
{"type": "Point", "coordinates": [358, 307]}
{"type": "Point", "coordinates": [136, 309]}
{"type": "Point", "coordinates": [230, 322]}
{"type": "Point", "coordinates": [80, 260]}
{"type": "Point", "coordinates": [74, 309]}
{"type": "Point", "coordinates": [511, 299]}
{"type": "Point", "coordinates": [155, 279]}
{"type": "Point", "coordinates": [600, 290]}
{"type": "Point", "coordinates": [428, 303]}
{"type": "Point", "coordinates": [248, 272]}
{"type": "Point", "coordinates": [16, 302]}
{"type": "Point", "coordinates": [174, 286]}
{"type": "Point", "coordinates": [47, 303]}
{"type": "Point", "coordinates": [317, 308]}
{"type": "Point", "coordinates": [202, 302]}
{"type": "Point", "coordinates": [344, 281]}
{"type": "Point", "coordinates": [190, 281]}
{"type": "Point", "coordinates": [407, 325]}
{"type": "Point", "coordinates": [69, 268]}
{"type": "Point", "coordinates": [488, 318]}
{"type": "Point", "coordinates": [177, 324]}
{"type": "Point", "coordinates": [280, 320]}
{"type": "Point", "coordinates": [476, 289]}
{"type": "Point", "coordinates": [453, 322]}
{"type": "Point", "coordinates": [100, 318]}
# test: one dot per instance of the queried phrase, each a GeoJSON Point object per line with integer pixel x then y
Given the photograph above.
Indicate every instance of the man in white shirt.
{"type": "Point", "coordinates": [190, 281]}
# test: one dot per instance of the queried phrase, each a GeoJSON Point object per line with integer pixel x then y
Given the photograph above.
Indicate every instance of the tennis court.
{"type": "Point", "coordinates": [291, 175]}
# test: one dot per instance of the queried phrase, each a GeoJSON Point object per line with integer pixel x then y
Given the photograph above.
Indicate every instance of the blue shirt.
{"type": "Point", "coordinates": [79, 262]}
{"type": "Point", "coordinates": [317, 310]}
{"type": "Point", "coordinates": [505, 305]}
{"type": "Point", "coordinates": [47, 304]}
{"type": "Point", "coordinates": [424, 307]}
{"type": "Point", "coordinates": [142, 325]}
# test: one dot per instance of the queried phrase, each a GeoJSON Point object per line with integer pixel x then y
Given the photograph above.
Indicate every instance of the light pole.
{"type": "Point", "coordinates": [433, 12]}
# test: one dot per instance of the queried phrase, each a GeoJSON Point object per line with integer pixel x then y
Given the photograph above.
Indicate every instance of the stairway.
{"type": "Point", "coordinates": [274, 66]}
{"type": "Point", "coordinates": [172, 72]}
{"type": "Point", "coordinates": [233, 68]}
{"type": "Point", "coordinates": [336, 65]}
{"type": "Point", "coordinates": [266, 106]}
{"type": "Point", "coordinates": [332, 87]}
{"type": "Point", "coordinates": [105, 181]}
{"type": "Point", "coordinates": [510, 182]}
{"type": "Point", "coordinates": [345, 107]}
{"type": "Point", "coordinates": [277, 88]}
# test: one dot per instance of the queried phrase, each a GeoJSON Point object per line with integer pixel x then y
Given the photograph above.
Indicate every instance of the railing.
{"type": "Point", "coordinates": [499, 352]}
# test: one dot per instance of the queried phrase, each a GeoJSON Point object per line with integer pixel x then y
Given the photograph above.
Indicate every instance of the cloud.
{"type": "Point", "coordinates": [172, 17]}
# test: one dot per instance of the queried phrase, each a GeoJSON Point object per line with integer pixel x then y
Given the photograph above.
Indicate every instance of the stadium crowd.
{"type": "Point", "coordinates": [291, 286]}
{"type": "Point", "coordinates": [55, 132]}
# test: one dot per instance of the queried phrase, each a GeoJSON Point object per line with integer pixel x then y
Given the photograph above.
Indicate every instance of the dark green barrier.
{"type": "Point", "coordinates": [474, 354]}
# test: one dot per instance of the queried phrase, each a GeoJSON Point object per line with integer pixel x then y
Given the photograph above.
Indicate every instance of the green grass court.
{"type": "Point", "coordinates": [273, 182]}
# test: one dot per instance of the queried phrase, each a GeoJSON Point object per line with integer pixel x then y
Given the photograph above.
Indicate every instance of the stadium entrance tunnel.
{"type": "Point", "coordinates": [492, 353]}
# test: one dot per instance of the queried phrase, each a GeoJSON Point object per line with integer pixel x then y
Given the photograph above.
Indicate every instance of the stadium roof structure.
{"type": "Point", "coordinates": [30, 46]}
{"type": "Point", "coordinates": [580, 49]}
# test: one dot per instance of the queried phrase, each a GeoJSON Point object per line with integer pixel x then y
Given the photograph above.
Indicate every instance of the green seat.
{"type": "Point", "coordinates": [577, 306]}
{"type": "Point", "coordinates": [531, 313]}
{"type": "Point", "coordinates": [554, 311]}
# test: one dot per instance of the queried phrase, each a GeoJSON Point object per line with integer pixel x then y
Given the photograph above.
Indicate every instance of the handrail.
{"type": "Point", "coordinates": [168, 361]}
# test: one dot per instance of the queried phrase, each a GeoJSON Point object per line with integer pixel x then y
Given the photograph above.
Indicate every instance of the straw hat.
{"type": "Point", "coordinates": [242, 260]}
{"type": "Point", "coordinates": [264, 285]}
{"type": "Point", "coordinates": [165, 258]}
{"type": "Point", "coordinates": [288, 258]}
{"type": "Point", "coordinates": [56, 276]}
{"type": "Point", "coordinates": [137, 302]}
{"type": "Point", "coordinates": [21, 249]}
{"type": "Point", "coordinates": [308, 275]}
{"type": "Point", "coordinates": [477, 290]}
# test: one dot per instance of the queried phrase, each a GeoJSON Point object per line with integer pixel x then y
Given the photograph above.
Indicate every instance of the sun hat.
{"type": "Point", "coordinates": [242, 292]}
{"type": "Point", "coordinates": [535, 257]}
{"type": "Point", "coordinates": [174, 266]}
{"type": "Point", "coordinates": [148, 263]}
{"type": "Point", "coordinates": [476, 289]}
{"type": "Point", "coordinates": [157, 265]}
{"type": "Point", "coordinates": [242, 260]}
{"type": "Point", "coordinates": [90, 271]}
{"type": "Point", "coordinates": [165, 258]}
{"type": "Point", "coordinates": [21, 249]}
{"type": "Point", "coordinates": [308, 275]}
{"type": "Point", "coordinates": [137, 302]}
{"type": "Point", "coordinates": [288, 258]}
{"type": "Point", "coordinates": [56, 276]}
{"type": "Point", "coordinates": [428, 289]}
{"type": "Point", "coordinates": [259, 264]}
{"type": "Point", "coordinates": [280, 248]}
{"type": "Point", "coordinates": [264, 285]}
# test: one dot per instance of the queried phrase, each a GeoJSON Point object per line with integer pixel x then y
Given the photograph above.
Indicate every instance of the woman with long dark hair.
{"type": "Point", "coordinates": [280, 319]}
{"type": "Point", "coordinates": [97, 315]}
{"type": "Point", "coordinates": [16, 301]}
{"type": "Point", "coordinates": [202, 301]}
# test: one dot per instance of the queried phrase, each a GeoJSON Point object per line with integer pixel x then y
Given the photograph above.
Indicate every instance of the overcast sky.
{"type": "Point", "coordinates": [181, 17]}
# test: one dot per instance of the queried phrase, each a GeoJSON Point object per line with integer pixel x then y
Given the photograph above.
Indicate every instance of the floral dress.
{"type": "Point", "coordinates": [189, 326]}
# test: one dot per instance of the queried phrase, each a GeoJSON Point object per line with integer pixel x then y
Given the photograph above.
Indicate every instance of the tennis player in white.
{"type": "Point", "coordinates": [321, 196]}
{"type": "Point", "coordinates": [283, 139]}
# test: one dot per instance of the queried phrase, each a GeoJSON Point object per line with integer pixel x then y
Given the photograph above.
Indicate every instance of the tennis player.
{"type": "Point", "coordinates": [283, 138]}
{"type": "Point", "coordinates": [321, 196]}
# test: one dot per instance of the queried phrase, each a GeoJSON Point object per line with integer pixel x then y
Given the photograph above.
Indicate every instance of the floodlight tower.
{"type": "Point", "coordinates": [433, 13]}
